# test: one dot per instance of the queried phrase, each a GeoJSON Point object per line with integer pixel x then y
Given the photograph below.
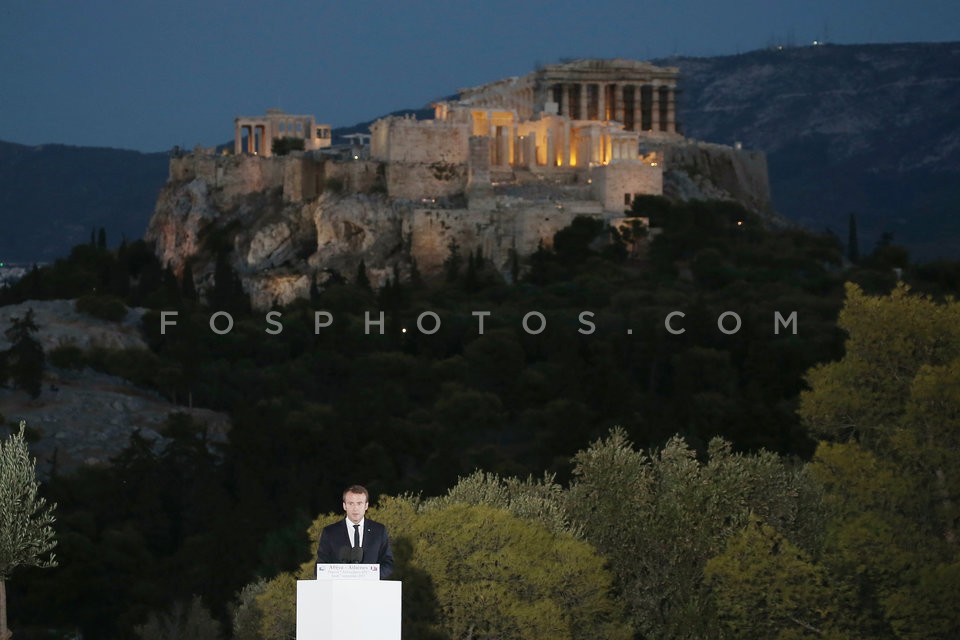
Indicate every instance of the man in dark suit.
{"type": "Point", "coordinates": [356, 539]}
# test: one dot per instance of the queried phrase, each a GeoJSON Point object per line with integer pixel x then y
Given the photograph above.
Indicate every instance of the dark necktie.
{"type": "Point", "coordinates": [356, 536]}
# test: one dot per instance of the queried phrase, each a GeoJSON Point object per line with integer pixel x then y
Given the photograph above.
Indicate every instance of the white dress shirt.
{"type": "Point", "coordinates": [350, 529]}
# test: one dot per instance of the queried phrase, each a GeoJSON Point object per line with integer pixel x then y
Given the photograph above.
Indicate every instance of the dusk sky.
{"type": "Point", "coordinates": [151, 75]}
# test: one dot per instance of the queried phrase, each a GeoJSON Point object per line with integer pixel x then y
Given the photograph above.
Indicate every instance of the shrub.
{"type": "Point", "coordinates": [103, 307]}
{"type": "Point", "coordinates": [283, 146]}
{"type": "Point", "coordinates": [67, 356]}
{"type": "Point", "coordinates": [334, 185]}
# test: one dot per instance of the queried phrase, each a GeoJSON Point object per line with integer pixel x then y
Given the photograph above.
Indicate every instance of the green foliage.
{"type": "Point", "coordinates": [228, 293]}
{"type": "Point", "coordinates": [893, 401]}
{"type": "Point", "coordinates": [104, 307]}
{"type": "Point", "coordinates": [540, 501]}
{"type": "Point", "coordinates": [680, 513]}
{"type": "Point", "coordinates": [890, 339]}
{"type": "Point", "coordinates": [27, 537]}
{"type": "Point", "coordinates": [205, 516]}
{"type": "Point", "coordinates": [853, 243]}
{"type": "Point", "coordinates": [766, 587]}
{"type": "Point", "coordinates": [182, 622]}
{"type": "Point", "coordinates": [496, 575]}
{"type": "Point", "coordinates": [277, 604]}
{"type": "Point", "coordinates": [131, 272]}
{"type": "Point", "coordinates": [23, 361]}
{"type": "Point", "coordinates": [67, 356]}
{"type": "Point", "coordinates": [283, 146]}
{"type": "Point", "coordinates": [362, 280]}
{"type": "Point", "coordinates": [453, 262]}
{"type": "Point", "coordinates": [656, 208]}
{"type": "Point", "coordinates": [573, 244]}
{"type": "Point", "coordinates": [140, 366]}
{"type": "Point", "coordinates": [247, 616]}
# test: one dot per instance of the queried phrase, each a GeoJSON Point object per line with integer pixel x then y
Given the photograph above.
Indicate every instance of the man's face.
{"type": "Point", "coordinates": [355, 504]}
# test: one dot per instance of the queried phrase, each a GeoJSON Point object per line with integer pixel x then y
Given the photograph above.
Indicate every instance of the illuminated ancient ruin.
{"type": "Point", "coordinates": [256, 135]}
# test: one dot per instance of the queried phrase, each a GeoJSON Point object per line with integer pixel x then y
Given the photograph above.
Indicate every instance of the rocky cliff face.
{"type": "Point", "coordinates": [716, 172]}
{"type": "Point", "coordinates": [283, 245]}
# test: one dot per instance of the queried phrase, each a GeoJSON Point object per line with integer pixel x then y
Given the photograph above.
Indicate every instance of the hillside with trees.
{"type": "Point", "coordinates": [716, 451]}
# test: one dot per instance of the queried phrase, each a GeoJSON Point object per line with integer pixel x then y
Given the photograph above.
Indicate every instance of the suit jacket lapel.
{"type": "Point", "coordinates": [368, 544]}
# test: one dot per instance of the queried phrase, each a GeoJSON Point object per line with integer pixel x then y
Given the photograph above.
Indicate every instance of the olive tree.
{"type": "Point", "coordinates": [26, 520]}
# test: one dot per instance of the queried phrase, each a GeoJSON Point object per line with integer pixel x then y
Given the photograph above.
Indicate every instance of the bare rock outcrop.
{"type": "Point", "coordinates": [704, 171]}
{"type": "Point", "coordinates": [285, 234]}
{"type": "Point", "coordinates": [60, 324]}
{"type": "Point", "coordinates": [86, 417]}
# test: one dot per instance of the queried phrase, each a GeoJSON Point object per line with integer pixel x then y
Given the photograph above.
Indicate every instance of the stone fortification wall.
{"type": "Point", "coordinates": [354, 176]}
{"type": "Point", "coordinates": [234, 175]}
{"type": "Point", "coordinates": [616, 184]}
{"type": "Point", "coordinates": [302, 178]}
{"type": "Point", "coordinates": [417, 180]}
{"type": "Point", "coordinates": [498, 233]}
{"type": "Point", "coordinates": [423, 158]}
{"type": "Point", "coordinates": [401, 139]}
{"type": "Point", "coordinates": [478, 180]}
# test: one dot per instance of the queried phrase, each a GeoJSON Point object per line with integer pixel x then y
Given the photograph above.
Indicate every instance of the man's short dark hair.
{"type": "Point", "coordinates": [356, 488]}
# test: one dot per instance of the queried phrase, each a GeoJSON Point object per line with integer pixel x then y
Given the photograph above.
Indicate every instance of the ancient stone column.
{"type": "Point", "coordinates": [264, 142]}
{"type": "Point", "coordinates": [655, 108]}
{"type": "Point", "coordinates": [237, 137]}
{"type": "Point", "coordinates": [564, 100]}
{"type": "Point", "coordinates": [601, 102]}
{"type": "Point", "coordinates": [504, 142]}
{"type": "Point", "coordinates": [551, 149]}
{"type": "Point", "coordinates": [492, 134]}
{"type": "Point", "coordinates": [618, 105]}
{"type": "Point", "coordinates": [583, 101]}
{"type": "Point", "coordinates": [671, 110]}
{"type": "Point", "coordinates": [530, 150]}
{"type": "Point", "coordinates": [637, 111]}
{"type": "Point", "coordinates": [566, 143]}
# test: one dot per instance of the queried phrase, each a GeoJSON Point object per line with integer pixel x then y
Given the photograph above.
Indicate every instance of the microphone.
{"type": "Point", "coordinates": [351, 555]}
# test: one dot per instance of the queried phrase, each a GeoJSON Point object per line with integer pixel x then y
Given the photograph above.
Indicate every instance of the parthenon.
{"type": "Point", "coordinates": [638, 95]}
{"type": "Point", "coordinates": [585, 113]}
{"type": "Point", "coordinates": [583, 121]}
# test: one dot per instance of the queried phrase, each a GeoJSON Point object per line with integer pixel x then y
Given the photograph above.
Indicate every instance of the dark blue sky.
{"type": "Point", "coordinates": [151, 75]}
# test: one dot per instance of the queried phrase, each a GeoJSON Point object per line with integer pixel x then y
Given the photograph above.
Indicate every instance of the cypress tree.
{"type": "Point", "coordinates": [853, 244]}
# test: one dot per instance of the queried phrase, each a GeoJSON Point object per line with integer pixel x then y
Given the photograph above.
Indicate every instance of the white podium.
{"type": "Point", "coordinates": [348, 609]}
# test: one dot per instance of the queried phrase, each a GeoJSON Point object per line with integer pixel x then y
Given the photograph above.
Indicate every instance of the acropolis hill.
{"type": "Point", "coordinates": [500, 169]}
